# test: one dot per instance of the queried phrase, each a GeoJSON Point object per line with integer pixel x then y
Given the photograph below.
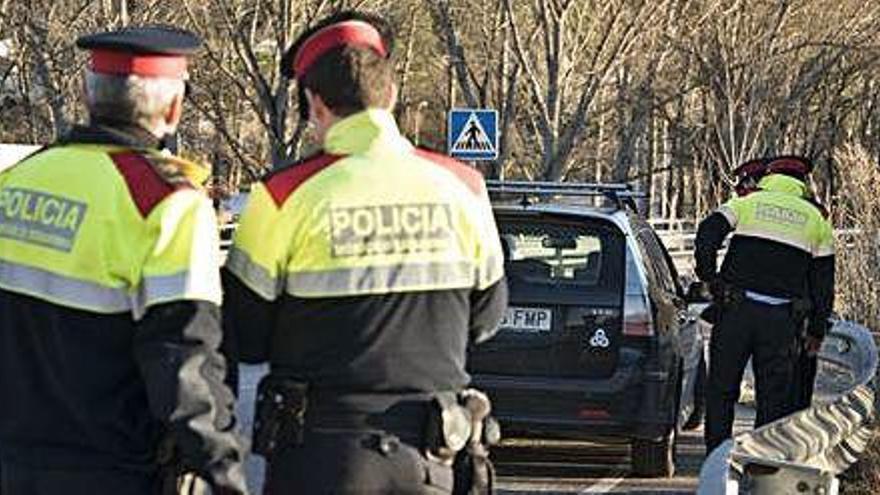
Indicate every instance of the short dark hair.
{"type": "Point", "coordinates": [349, 79]}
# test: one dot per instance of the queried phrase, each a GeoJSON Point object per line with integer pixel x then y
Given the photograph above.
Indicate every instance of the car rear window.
{"type": "Point", "coordinates": [560, 254]}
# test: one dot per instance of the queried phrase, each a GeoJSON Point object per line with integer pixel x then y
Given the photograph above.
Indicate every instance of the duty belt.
{"type": "Point", "coordinates": [437, 422]}
{"type": "Point", "coordinates": [405, 419]}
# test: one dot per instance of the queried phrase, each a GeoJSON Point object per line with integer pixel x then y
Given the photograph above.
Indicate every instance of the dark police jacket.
{"type": "Point", "coordinates": [782, 246]}
{"type": "Point", "coordinates": [367, 270]}
{"type": "Point", "coordinates": [109, 311]}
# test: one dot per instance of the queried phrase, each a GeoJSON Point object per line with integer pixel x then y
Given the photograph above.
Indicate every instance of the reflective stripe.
{"type": "Point", "coordinates": [382, 279]}
{"type": "Point", "coordinates": [729, 213]}
{"type": "Point", "coordinates": [64, 291]}
{"type": "Point", "coordinates": [257, 278]}
{"type": "Point", "coordinates": [491, 272]}
{"type": "Point", "coordinates": [96, 298]}
{"type": "Point", "coordinates": [797, 240]}
{"type": "Point", "coordinates": [764, 298]}
{"type": "Point", "coordinates": [177, 287]}
{"type": "Point", "coordinates": [822, 251]}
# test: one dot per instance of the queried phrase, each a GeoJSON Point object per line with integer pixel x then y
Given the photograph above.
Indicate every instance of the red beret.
{"type": "Point", "coordinates": [351, 33]}
{"type": "Point", "coordinates": [790, 165]}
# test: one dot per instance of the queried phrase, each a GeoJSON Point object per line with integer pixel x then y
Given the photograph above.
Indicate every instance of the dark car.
{"type": "Point", "coordinates": [597, 343]}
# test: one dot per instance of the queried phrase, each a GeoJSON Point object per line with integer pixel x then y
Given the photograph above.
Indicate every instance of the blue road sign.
{"type": "Point", "coordinates": [472, 134]}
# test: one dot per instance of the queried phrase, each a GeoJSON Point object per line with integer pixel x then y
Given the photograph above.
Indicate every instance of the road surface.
{"type": "Point", "coordinates": [529, 467]}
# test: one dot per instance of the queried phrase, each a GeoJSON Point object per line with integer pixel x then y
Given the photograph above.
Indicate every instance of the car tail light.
{"type": "Point", "coordinates": [637, 320]}
{"type": "Point", "coordinates": [593, 414]}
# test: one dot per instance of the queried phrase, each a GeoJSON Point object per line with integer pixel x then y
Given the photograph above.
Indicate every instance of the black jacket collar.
{"type": "Point", "coordinates": [115, 133]}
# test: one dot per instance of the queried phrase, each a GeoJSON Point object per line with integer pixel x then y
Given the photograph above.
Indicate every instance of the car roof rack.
{"type": "Point", "coordinates": [621, 195]}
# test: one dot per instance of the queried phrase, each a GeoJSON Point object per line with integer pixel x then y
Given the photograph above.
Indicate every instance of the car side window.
{"type": "Point", "coordinates": [670, 264]}
{"type": "Point", "coordinates": [655, 258]}
{"type": "Point", "coordinates": [650, 270]}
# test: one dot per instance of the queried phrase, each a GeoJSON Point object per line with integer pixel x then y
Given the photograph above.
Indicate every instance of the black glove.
{"type": "Point", "coordinates": [725, 294]}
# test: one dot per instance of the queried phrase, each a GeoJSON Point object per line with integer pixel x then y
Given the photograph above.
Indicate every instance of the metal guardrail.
{"type": "Point", "coordinates": [803, 452]}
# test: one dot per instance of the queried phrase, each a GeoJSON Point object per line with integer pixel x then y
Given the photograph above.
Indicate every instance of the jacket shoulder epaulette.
{"type": "Point", "coordinates": [151, 177]}
{"type": "Point", "coordinates": [471, 177]}
{"type": "Point", "coordinates": [283, 182]}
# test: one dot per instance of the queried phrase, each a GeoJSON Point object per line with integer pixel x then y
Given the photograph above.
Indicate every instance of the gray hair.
{"type": "Point", "coordinates": [133, 99]}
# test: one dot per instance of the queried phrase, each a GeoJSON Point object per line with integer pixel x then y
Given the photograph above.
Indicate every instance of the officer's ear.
{"type": "Point", "coordinates": [392, 97]}
{"type": "Point", "coordinates": [175, 111]}
{"type": "Point", "coordinates": [319, 112]}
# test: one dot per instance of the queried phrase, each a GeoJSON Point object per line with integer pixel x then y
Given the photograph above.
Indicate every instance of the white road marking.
{"type": "Point", "coordinates": [604, 486]}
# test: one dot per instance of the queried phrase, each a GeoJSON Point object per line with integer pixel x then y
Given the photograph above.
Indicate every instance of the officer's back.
{"type": "Point", "coordinates": [777, 235]}
{"type": "Point", "coordinates": [361, 274]}
{"type": "Point", "coordinates": [109, 293]}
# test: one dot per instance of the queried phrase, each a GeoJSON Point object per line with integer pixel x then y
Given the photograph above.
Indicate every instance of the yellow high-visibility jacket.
{"type": "Point", "coordinates": [782, 247]}
{"type": "Point", "coordinates": [109, 310]}
{"type": "Point", "coordinates": [106, 229]}
{"type": "Point", "coordinates": [373, 263]}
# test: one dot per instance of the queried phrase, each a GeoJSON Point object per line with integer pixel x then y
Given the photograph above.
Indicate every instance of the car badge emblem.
{"type": "Point", "coordinates": [600, 339]}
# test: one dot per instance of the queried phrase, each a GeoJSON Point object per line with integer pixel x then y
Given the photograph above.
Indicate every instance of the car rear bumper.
{"type": "Point", "coordinates": [635, 402]}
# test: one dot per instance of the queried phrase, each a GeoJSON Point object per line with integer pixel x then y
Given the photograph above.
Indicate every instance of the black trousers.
{"type": "Point", "coordinates": [354, 462]}
{"type": "Point", "coordinates": [24, 480]}
{"type": "Point", "coordinates": [804, 381]}
{"type": "Point", "coordinates": [767, 334]}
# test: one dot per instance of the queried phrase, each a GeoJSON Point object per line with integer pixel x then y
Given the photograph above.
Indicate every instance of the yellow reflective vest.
{"type": "Point", "coordinates": [107, 229]}
{"type": "Point", "coordinates": [372, 215]}
{"type": "Point", "coordinates": [778, 212]}
{"type": "Point", "coordinates": [782, 247]}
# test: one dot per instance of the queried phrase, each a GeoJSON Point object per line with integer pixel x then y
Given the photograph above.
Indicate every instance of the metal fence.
{"type": "Point", "coordinates": [679, 238]}
{"type": "Point", "coordinates": [802, 453]}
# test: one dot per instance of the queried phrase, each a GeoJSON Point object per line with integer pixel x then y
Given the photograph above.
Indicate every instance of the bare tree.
{"type": "Point", "coordinates": [485, 73]}
{"type": "Point", "coordinates": [670, 94]}
{"type": "Point", "coordinates": [570, 54]}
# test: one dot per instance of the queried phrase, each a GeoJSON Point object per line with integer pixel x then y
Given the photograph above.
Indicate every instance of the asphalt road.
{"type": "Point", "coordinates": [530, 466]}
{"type": "Point", "coordinates": [550, 467]}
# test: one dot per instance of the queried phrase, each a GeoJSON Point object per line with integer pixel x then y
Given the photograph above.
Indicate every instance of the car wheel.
{"type": "Point", "coordinates": [655, 458]}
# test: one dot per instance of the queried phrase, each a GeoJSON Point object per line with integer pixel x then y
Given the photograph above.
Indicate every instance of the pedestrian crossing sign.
{"type": "Point", "coordinates": [472, 134]}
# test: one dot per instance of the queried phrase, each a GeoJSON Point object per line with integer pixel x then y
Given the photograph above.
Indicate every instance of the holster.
{"type": "Point", "coordinates": [448, 428]}
{"type": "Point", "coordinates": [279, 420]}
{"type": "Point", "coordinates": [187, 484]}
{"type": "Point", "coordinates": [459, 433]}
{"type": "Point", "coordinates": [173, 478]}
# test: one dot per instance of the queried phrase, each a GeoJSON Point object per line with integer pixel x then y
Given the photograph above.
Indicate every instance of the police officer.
{"type": "Point", "coordinates": [110, 294]}
{"type": "Point", "coordinates": [361, 274]}
{"type": "Point", "coordinates": [779, 270]}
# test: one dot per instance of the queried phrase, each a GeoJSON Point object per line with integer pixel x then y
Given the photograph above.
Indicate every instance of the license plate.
{"type": "Point", "coordinates": [527, 319]}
